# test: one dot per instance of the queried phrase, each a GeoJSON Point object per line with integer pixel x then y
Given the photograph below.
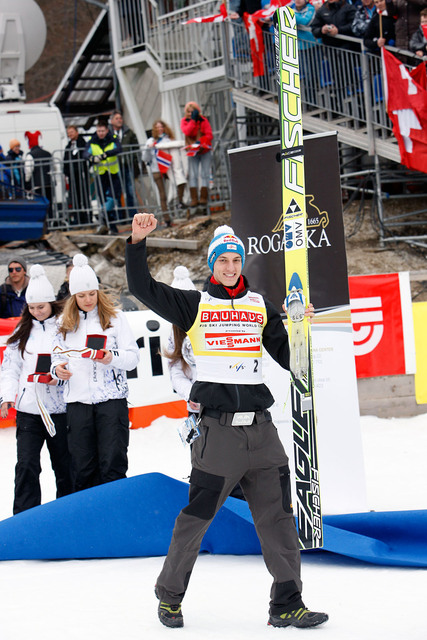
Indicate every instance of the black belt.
{"type": "Point", "coordinates": [226, 419]}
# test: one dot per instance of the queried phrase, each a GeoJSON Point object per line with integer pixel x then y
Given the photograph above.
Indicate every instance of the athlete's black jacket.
{"type": "Point", "coordinates": [181, 307]}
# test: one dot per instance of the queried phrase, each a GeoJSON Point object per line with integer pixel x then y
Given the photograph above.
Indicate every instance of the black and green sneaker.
{"type": "Point", "coordinates": [170, 615]}
{"type": "Point", "coordinates": [302, 618]}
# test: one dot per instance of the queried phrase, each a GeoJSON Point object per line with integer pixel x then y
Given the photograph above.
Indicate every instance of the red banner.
{"type": "Point", "coordinates": [379, 314]}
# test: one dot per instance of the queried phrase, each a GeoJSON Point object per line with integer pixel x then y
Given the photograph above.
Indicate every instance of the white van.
{"type": "Point", "coordinates": [18, 117]}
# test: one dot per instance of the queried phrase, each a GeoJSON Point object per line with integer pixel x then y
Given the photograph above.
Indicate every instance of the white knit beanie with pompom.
{"type": "Point", "coordinates": [39, 288]}
{"type": "Point", "coordinates": [181, 279]}
{"type": "Point", "coordinates": [224, 241]}
{"type": "Point", "coordinates": [82, 276]}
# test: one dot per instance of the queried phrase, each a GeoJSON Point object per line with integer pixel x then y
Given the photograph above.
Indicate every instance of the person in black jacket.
{"type": "Point", "coordinates": [418, 42]}
{"type": "Point", "coordinates": [238, 442]}
{"type": "Point", "coordinates": [75, 170]}
{"type": "Point", "coordinates": [129, 160]}
{"type": "Point", "coordinates": [335, 17]}
{"type": "Point", "coordinates": [14, 288]}
{"type": "Point", "coordinates": [381, 28]}
{"type": "Point", "coordinates": [38, 168]}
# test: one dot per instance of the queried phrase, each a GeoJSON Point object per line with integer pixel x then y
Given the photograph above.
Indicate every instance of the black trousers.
{"type": "Point", "coordinates": [31, 434]}
{"type": "Point", "coordinates": [98, 439]}
{"type": "Point", "coordinates": [254, 457]}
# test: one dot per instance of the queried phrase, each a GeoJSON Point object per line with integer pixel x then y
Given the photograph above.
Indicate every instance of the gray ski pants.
{"type": "Point", "coordinates": [253, 456]}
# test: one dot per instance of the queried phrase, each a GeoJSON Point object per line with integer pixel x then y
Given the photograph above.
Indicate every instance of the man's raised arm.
{"type": "Point", "coordinates": [142, 225]}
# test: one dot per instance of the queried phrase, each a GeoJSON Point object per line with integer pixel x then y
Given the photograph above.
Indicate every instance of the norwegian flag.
{"type": "Point", "coordinates": [218, 17]}
{"type": "Point", "coordinates": [195, 148]}
{"type": "Point", "coordinates": [407, 109]}
{"type": "Point", "coordinates": [164, 160]}
{"type": "Point", "coordinates": [192, 149]}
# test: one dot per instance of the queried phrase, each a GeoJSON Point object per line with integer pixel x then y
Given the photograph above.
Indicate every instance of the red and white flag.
{"type": "Point", "coordinates": [270, 9]}
{"type": "Point", "coordinates": [256, 42]}
{"type": "Point", "coordinates": [419, 74]}
{"type": "Point", "coordinates": [218, 17]}
{"type": "Point", "coordinates": [407, 109]}
{"type": "Point", "coordinates": [253, 23]}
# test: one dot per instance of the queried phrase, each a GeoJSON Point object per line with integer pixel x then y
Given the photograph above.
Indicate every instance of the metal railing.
{"type": "Point", "coordinates": [343, 81]}
{"type": "Point", "coordinates": [80, 196]}
{"type": "Point", "coordinates": [178, 48]}
{"type": "Point", "coordinates": [185, 48]}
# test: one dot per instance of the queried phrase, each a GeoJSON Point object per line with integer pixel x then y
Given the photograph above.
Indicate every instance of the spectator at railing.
{"type": "Point", "coordinates": [4, 177]}
{"type": "Point", "coordinates": [333, 18]}
{"type": "Point", "coordinates": [165, 162]}
{"type": "Point", "coordinates": [362, 17]}
{"type": "Point", "coordinates": [75, 170]}
{"type": "Point", "coordinates": [304, 16]}
{"type": "Point", "coordinates": [102, 151]}
{"type": "Point", "coordinates": [418, 43]}
{"type": "Point", "coordinates": [408, 20]}
{"type": "Point", "coordinates": [38, 168]}
{"type": "Point", "coordinates": [198, 140]}
{"type": "Point", "coordinates": [380, 29]}
{"type": "Point", "coordinates": [128, 163]}
{"type": "Point", "coordinates": [14, 159]}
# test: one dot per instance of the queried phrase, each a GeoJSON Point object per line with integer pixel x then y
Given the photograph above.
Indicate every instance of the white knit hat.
{"type": "Point", "coordinates": [39, 288]}
{"type": "Point", "coordinates": [82, 276]}
{"type": "Point", "coordinates": [181, 279]}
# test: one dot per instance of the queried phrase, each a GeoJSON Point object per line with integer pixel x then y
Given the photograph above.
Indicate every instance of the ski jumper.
{"type": "Point", "coordinates": [235, 445]}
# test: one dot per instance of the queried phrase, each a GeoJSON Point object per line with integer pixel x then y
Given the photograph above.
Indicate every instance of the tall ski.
{"type": "Point", "coordinates": [297, 281]}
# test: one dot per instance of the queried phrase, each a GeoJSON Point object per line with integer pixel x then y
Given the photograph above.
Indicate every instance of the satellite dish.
{"type": "Point", "coordinates": [33, 27]}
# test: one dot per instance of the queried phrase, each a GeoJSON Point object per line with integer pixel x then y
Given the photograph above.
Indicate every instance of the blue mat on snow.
{"type": "Point", "coordinates": [135, 517]}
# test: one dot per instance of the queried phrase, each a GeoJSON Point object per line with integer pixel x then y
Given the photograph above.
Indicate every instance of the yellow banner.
{"type": "Point", "coordinates": [419, 311]}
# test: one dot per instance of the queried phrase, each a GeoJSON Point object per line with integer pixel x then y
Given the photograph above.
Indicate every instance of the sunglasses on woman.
{"type": "Point", "coordinates": [18, 269]}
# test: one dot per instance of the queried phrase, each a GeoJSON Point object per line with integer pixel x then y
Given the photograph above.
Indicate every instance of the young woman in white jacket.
{"type": "Point", "coordinates": [95, 388]}
{"type": "Point", "coordinates": [179, 352]}
{"type": "Point", "coordinates": [163, 139]}
{"type": "Point", "coordinates": [40, 407]}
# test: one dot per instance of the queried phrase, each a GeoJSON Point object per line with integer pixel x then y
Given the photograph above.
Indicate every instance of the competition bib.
{"type": "Point", "coordinates": [227, 339]}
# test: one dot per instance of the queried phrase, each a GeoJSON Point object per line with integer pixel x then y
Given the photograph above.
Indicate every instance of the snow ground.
{"type": "Point", "coordinates": [110, 599]}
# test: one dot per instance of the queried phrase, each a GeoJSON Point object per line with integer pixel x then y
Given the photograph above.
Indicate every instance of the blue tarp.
{"type": "Point", "coordinates": [135, 517]}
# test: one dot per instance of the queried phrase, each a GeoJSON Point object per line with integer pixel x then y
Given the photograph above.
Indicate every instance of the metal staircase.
{"type": "Point", "coordinates": [160, 63]}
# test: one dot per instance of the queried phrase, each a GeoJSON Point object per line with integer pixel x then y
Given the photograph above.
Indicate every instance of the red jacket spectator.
{"type": "Point", "coordinates": [197, 129]}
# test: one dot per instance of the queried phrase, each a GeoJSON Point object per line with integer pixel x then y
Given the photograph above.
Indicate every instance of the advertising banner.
{"type": "Point", "coordinates": [383, 330]}
{"type": "Point", "coordinates": [257, 216]}
{"type": "Point", "coordinates": [257, 220]}
{"type": "Point", "coordinates": [420, 323]}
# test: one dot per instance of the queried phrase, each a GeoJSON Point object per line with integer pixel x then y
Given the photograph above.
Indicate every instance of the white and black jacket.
{"type": "Point", "coordinates": [14, 385]}
{"type": "Point", "coordinates": [93, 382]}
